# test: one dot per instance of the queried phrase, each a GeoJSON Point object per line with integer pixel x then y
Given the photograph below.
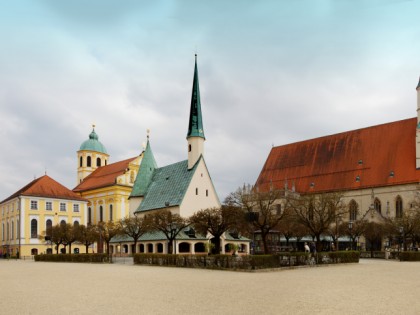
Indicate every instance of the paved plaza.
{"type": "Point", "coordinates": [370, 287]}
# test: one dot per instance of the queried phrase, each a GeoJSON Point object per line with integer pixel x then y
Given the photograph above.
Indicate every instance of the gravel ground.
{"type": "Point", "coordinates": [370, 287]}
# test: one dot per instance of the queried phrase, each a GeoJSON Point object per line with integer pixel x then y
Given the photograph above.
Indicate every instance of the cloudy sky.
{"type": "Point", "coordinates": [271, 73]}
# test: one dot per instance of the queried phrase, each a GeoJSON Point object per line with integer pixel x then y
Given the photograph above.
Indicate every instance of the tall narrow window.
{"type": "Point", "coordinates": [101, 214]}
{"type": "Point", "coordinates": [76, 208]}
{"type": "Point", "coordinates": [48, 227]}
{"type": "Point", "coordinates": [353, 210]}
{"type": "Point", "coordinates": [63, 206]}
{"type": "Point", "coordinates": [98, 162]}
{"type": "Point", "coordinates": [7, 232]}
{"type": "Point", "coordinates": [189, 148]}
{"type": "Point", "coordinates": [398, 208]}
{"type": "Point", "coordinates": [13, 231]}
{"type": "Point", "coordinates": [377, 205]}
{"type": "Point", "coordinates": [110, 213]}
{"type": "Point", "coordinates": [89, 216]}
{"type": "Point", "coordinates": [48, 205]}
{"type": "Point", "coordinates": [196, 191]}
{"type": "Point", "coordinates": [34, 228]}
{"type": "Point", "coordinates": [81, 161]}
{"type": "Point", "coordinates": [89, 161]}
{"type": "Point", "coordinates": [2, 230]}
{"type": "Point", "coordinates": [311, 212]}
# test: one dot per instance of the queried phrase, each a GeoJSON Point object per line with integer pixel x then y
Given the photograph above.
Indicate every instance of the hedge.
{"type": "Point", "coordinates": [409, 256]}
{"type": "Point", "coordinates": [91, 258]}
{"type": "Point", "coordinates": [248, 262]}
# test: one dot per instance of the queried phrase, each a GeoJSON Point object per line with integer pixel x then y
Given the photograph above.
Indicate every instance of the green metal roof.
{"type": "Point", "coordinates": [93, 144]}
{"type": "Point", "coordinates": [195, 126]}
{"type": "Point", "coordinates": [144, 176]}
{"type": "Point", "coordinates": [167, 186]}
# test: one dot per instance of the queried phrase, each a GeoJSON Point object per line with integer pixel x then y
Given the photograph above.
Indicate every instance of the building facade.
{"type": "Point", "coordinates": [375, 168]}
{"type": "Point", "coordinates": [26, 215]}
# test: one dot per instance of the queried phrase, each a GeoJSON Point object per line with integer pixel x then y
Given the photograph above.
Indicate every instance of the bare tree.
{"type": "Point", "coordinates": [217, 221]}
{"type": "Point", "coordinates": [87, 235]}
{"type": "Point", "coordinates": [317, 212]}
{"type": "Point", "coordinates": [107, 230]}
{"type": "Point", "coordinates": [169, 224]}
{"type": "Point", "coordinates": [405, 227]}
{"type": "Point", "coordinates": [69, 234]}
{"type": "Point", "coordinates": [354, 229]}
{"type": "Point", "coordinates": [134, 227]}
{"type": "Point", "coordinates": [260, 207]}
{"type": "Point", "coordinates": [374, 233]}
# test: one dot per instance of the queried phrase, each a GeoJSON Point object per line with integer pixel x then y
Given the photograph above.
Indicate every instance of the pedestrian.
{"type": "Point", "coordinates": [307, 249]}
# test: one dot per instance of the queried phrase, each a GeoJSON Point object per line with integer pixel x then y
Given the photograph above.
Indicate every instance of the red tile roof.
{"type": "Point", "coordinates": [103, 176]}
{"type": "Point", "coordinates": [45, 186]}
{"type": "Point", "coordinates": [333, 163]}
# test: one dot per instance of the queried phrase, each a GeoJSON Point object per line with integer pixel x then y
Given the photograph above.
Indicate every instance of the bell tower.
{"type": "Point", "coordinates": [418, 128]}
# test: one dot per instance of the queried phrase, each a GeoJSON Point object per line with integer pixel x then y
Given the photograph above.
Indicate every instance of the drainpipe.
{"type": "Point", "coordinates": [20, 222]}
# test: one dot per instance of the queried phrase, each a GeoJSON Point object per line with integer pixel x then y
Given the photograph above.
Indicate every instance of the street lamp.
{"type": "Point", "coordinates": [351, 235]}
{"type": "Point", "coordinates": [402, 236]}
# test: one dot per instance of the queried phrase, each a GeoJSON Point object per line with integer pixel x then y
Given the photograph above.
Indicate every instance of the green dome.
{"type": "Point", "coordinates": [93, 144]}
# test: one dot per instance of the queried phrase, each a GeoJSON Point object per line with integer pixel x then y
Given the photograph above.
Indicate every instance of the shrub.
{"type": "Point", "coordinates": [98, 258]}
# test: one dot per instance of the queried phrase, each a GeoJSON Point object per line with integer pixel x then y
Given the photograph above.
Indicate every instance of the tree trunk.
{"type": "Point", "coordinates": [264, 239]}
{"type": "Point", "coordinates": [135, 247]}
{"type": "Point", "coordinates": [87, 248]}
{"type": "Point", "coordinates": [217, 245]}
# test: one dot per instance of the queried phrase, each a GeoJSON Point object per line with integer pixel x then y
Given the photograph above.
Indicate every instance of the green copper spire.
{"type": "Point", "coordinates": [195, 127]}
{"type": "Point", "coordinates": [144, 176]}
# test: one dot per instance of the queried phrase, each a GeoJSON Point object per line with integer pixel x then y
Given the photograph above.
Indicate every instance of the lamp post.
{"type": "Point", "coordinates": [402, 237]}
{"type": "Point", "coordinates": [351, 234]}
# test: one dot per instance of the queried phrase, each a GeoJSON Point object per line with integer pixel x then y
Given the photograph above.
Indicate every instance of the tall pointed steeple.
{"type": "Point", "coordinates": [195, 127]}
{"type": "Point", "coordinates": [195, 136]}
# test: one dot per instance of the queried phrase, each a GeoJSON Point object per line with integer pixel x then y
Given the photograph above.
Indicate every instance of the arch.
{"type": "Point", "coordinates": [228, 247]}
{"type": "Point", "coordinates": [150, 248]}
{"type": "Point", "coordinates": [101, 214]}
{"type": "Point", "coordinates": [98, 162]}
{"type": "Point", "coordinates": [63, 222]}
{"type": "Point", "coordinates": [199, 248]}
{"type": "Point", "coordinates": [81, 162]}
{"type": "Point", "coordinates": [377, 205]}
{"type": "Point", "coordinates": [34, 251]}
{"type": "Point", "coordinates": [76, 224]}
{"type": "Point", "coordinates": [160, 248]}
{"type": "Point", "coordinates": [34, 228]}
{"type": "Point", "coordinates": [125, 249]}
{"type": "Point", "coordinates": [184, 247]}
{"type": "Point", "coordinates": [89, 161]}
{"type": "Point", "coordinates": [398, 207]}
{"type": "Point", "coordinates": [141, 248]}
{"type": "Point", "coordinates": [353, 209]}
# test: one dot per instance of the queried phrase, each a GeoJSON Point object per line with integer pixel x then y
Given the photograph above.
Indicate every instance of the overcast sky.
{"type": "Point", "coordinates": [271, 73]}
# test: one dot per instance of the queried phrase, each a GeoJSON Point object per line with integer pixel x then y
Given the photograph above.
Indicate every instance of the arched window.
{"type": "Point", "coordinates": [48, 227]}
{"type": "Point", "coordinates": [110, 213]}
{"type": "Point", "coordinates": [13, 231]}
{"type": "Point", "coordinates": [101, 214]}
{"type": "Point", "coordinates": [89, 215]}
{"type": "Point", "coordinates": [98, 162]}
{"type": "Point", "coordinates": [398, 207]}
{"type": "Point", "coordinates": [311, 212]}
{"type": "Point", "coordinates": [353, 210]}
{"type": "Point", "coordinates": [62, 222]}
{"type": "Point", "coordinates": [34, 228]}
{"type": "Point", "coordinates": [81, 161]}
{"type": "Point", "coordinates": [377, 205]}
{"type": "Point", "coordinates": [34, 251]}
{"type": "Point", "coordinates": [89, 161]}
{"type": "Point", "coordinates": [76, 224]}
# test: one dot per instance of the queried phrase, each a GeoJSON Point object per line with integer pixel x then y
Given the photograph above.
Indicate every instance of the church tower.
{"type": "Point", "coordinates": [91, 155]}
{"type": "Point", "coordinates": [195, 136]}
{"type": "Point", "coordinates": [418, 127]}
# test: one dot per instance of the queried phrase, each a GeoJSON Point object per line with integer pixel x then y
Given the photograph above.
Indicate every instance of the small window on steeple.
{"type": "Point", "coordinates": [189, 148]}
{"type": "Point", "coordinates": [81, 161]}
{"type": "Point", "coordinates": [89, 161]}
{"type": "Point", "coordinates": [98, 162]}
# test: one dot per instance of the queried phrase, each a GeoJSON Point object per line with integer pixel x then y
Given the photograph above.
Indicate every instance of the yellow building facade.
{"type": "Point", "coordinates": [26, 215]}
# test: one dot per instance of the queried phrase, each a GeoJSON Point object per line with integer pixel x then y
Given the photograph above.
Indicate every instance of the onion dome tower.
{"type": "Point", "coordinates": [91, 155]}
